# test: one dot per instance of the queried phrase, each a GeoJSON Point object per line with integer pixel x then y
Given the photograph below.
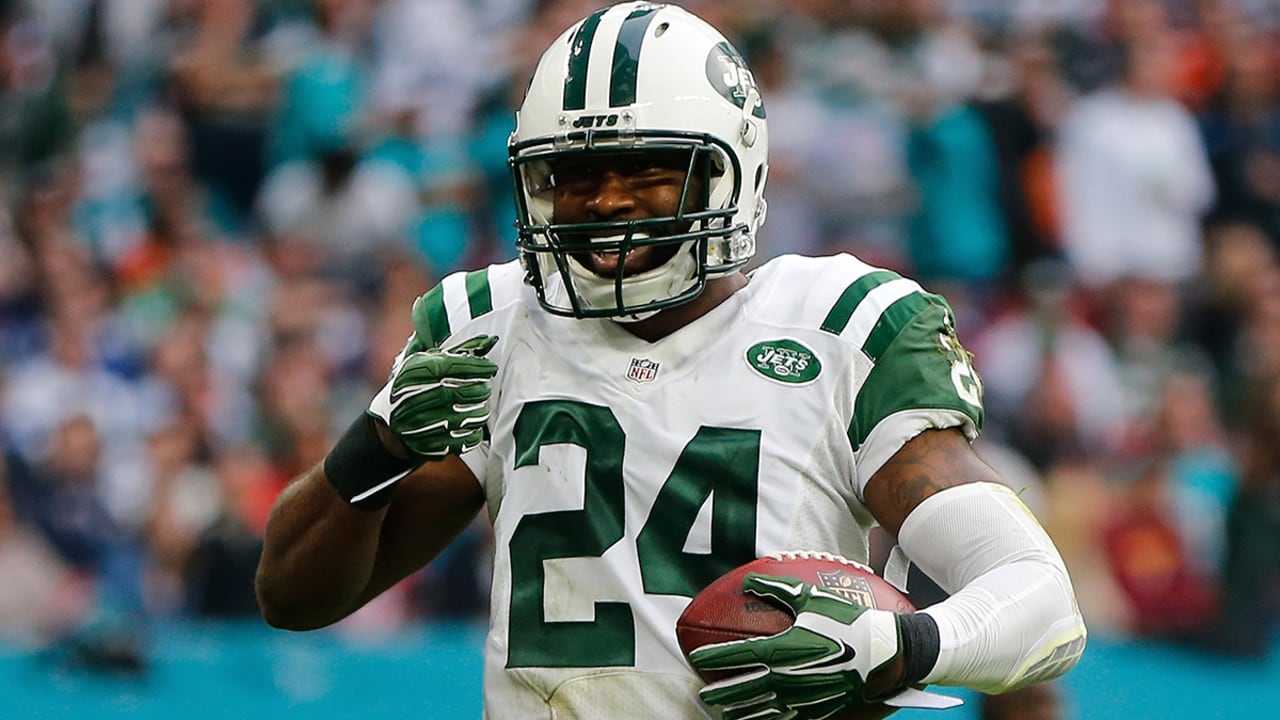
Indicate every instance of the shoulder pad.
{"type": "Point", "coordinates": [462, 297]}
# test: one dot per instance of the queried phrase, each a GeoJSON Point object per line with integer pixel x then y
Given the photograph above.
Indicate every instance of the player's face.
{"type": "Point", "coordinates": [601, 187]}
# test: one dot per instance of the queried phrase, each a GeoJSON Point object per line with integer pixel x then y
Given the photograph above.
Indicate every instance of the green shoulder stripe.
{"type": "Point", "coordinates": [430, 319]}
{"type": "Point", "coordinates": [840, 313]}
{"type": "Point", "coordinates": [479, 297]}
{"type": "Point", "coordinates": [894, 318]}
{"type": "Point", "coordinates": [922, 366]}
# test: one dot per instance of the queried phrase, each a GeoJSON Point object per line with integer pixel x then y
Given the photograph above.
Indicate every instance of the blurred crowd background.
{"type": "Point", "coordinates": [216, 213]}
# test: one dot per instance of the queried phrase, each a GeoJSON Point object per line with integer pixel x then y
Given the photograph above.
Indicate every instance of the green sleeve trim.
{"type": "Point", "coordinates": [852, 296]}
{"type": "Point", "coordinates": [894, 319]}
{"type": "Point", "coordinates": [923, 368]}
{"type": "Point", "coordinates": [479, 296]}
{"type": "Point", "coordinates": [430, 319]}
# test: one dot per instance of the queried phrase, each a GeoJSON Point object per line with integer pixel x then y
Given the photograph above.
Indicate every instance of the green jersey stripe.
{"type": "Point", "coordinates": [892, 320]}
{"type": "Point", "coordinates": [868, 312]}
{"type": "Point", "coordinates": [429, 314]}
{"type": "Point", "coordinates": [918, 372]}
{"type": "Point", "coordinates": [626, 57]}
{"type": "Point", "coordinates": [479, 296]}
{"type": "Point", "coordinates": [840, 313]}
{"type": "Point", "coordinates": [575, 80]}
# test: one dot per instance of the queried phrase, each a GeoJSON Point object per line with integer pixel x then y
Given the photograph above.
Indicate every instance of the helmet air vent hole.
{"type": "Point", "coordinates": [661, 29]}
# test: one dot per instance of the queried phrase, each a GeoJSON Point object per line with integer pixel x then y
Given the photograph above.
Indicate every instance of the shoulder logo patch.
{"type": "Point", "coordinates": [786, 361]}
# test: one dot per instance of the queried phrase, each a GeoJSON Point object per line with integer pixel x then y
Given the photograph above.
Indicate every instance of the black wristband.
{"type": "Point", "coordinates": [361, 469]}
{"type": "Point", "coordinates": [920, 646]}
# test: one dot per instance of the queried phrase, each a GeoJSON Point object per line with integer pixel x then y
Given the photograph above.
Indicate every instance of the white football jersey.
{"type": "Point", "coordinates": [623, 476]}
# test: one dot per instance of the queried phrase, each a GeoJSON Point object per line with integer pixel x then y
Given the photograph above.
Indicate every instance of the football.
{"type": "Point", "coordinates": [722, 611]}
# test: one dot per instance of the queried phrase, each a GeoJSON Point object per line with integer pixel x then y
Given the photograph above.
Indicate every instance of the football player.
{"type": "Point", "coordinates": [639, 415]}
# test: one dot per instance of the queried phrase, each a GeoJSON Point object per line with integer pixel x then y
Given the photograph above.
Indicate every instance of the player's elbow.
{"type": "Point", "coordinates": [1016, 625]}
{"type": "Point", "coordinates": [282, 619]}
{"type": "Point", "coordinates": [1060, 649]}
{"type": "Point", "coordinates": [1066, 634]}
{"type": "Point", "coordinates": [277, 614]}
{"type": "Point", "coordinates": [283, 610]}
{"type": "Point", "coordinates": [1061, 658]}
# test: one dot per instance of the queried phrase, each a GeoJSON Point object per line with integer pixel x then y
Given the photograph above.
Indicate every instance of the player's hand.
{"type": "Point", "coordinates": [436, 402]}
{"type": "Point", "coordinates": [837, 654]}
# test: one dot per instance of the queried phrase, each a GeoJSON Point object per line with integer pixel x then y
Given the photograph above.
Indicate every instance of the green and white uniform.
{"type": "Point", "coordinates": [623, 476]}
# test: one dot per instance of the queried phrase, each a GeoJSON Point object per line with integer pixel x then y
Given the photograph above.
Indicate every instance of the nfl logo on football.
{"type": "Point", "coordinates": [642, 370]}
{"type": "Point", "coordinates": [855, 589]}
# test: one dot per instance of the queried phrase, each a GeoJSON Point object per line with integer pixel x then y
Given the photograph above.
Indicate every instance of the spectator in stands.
{"type": "Point", "coordinates": [183, 502]}
{"type": "Point", "coordinates": [1052, 382]}
{"type": "Point", "coordinates": [959, 237]}
{"type": "Point", "coordinates": [35, 122]}
{"type": "Point", "coordinates": [73, 518]}
{"type": "Point", "coordinates": [1134, 176]}
{"type": "Point", "coordinates": [225, 83]}
{"type": "Point", "coordinates": [41, 597]}
{"type": "Point", "coordinates": [218, 576]}
{"type": "Point", "coordinates": [1022, 99]}
{"type": "Point", "coordinates": [1200, 469]}
{"type": "Point", "coordinates": [1239, 259]}
{"type": "Point", "coordinates": [323, 94]}
{"type": "Point", "coordinates": [1250, 611]}
{"type": "Point", "coordinates": [1144, 324]}
{"type": "Point", "coordinates": [1242, 131]}
{"type": "Point", "coordinates": [339, 209]}
{"type": "Point", "coordinates": [1168, 596]}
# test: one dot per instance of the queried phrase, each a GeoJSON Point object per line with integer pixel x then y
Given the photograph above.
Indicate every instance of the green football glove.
{"type": "Point", "coordinates": [437, 399]}
{"type": "Point", "coordinates": [819, 666]}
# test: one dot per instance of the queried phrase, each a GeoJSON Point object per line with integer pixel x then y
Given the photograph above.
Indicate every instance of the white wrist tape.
{"type": "Point", "coordinates": [1012, 618]}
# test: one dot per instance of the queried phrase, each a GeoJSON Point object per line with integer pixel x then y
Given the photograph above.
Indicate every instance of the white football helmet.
{"type": "Point", "coordinates": [637, 77]}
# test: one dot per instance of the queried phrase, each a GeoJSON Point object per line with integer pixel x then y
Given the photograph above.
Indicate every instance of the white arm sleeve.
{"type": "Point", "coordinates": [1012, 617]}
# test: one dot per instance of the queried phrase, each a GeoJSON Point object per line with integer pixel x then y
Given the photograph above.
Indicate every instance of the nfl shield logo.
{"type": "Point", "coordinates": [642, 370]}
{"type": "Point", "coordinates": [854, 588]}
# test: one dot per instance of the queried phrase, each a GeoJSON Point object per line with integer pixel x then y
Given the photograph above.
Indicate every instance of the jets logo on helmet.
{"type": "Point", "coordinates": [640, 77]}
{"type": "Point", "coordinates": [729, 75]}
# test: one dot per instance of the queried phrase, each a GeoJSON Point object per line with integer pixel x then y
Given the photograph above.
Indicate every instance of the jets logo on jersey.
{"type": "Point", "coordinates": [848, 587]}
{"type": "Point", "coordinates": [642, 370]}
{"type": "Point", "coordinates": [786, 361]}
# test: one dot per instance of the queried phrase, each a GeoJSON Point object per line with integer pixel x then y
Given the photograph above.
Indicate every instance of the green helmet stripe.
{"type": "Point", "coordinates": [575, 81]}
{"type": "Point", "coordinates": [430, 318]}
{"type": "Point", "coordinates": [626, 56]}
{"type": "Point", "coordinates": [479, 298]}
{"type": "Point", "coordinates": [852, 296]}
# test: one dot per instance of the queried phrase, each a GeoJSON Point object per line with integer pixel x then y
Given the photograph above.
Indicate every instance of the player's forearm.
{"type": "Point", "coordinates": [1012, 617]}
{"type": "Point", "coordinates": [318, 556]}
